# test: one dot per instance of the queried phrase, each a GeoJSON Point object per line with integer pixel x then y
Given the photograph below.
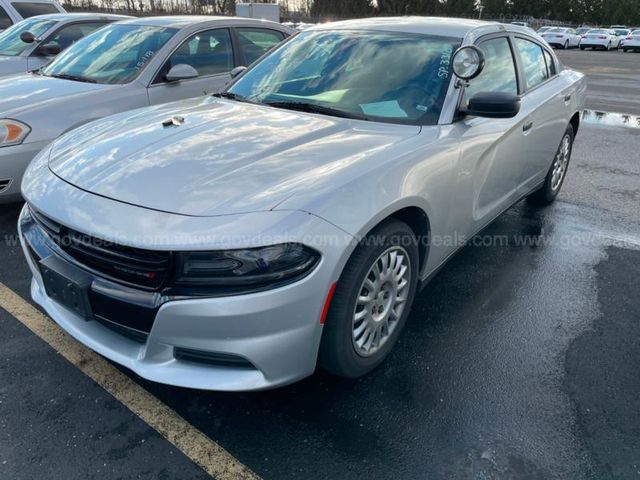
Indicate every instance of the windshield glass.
{"type": "Point", "coordinates": [10, 43]}
{"type": "Point", "coordinates": [112, 55]}
{"type": "Point", "coordinates": [558, 30]}
{"type": "Point", "coordinates": [381, 76]}
{"type": "Point", "coordinates": [580, 31]}
{"type": "Point", "coordinates": [592, 32]}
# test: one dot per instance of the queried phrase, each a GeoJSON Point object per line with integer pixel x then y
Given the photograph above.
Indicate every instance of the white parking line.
{"type": "Point", "coordinates": [203, 451]}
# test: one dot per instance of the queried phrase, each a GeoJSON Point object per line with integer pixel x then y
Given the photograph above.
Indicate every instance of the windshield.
{"type": "Point", "coordinates": [580, 31]}
{"type": "Point", "coordinates": [557, 30]}
{"type": "Point", "coordinates": [115, 54]}
{"type": "Point", "coordinates": [591, 32]}
{"type": "Point", "coordinates": [10, 43]}
{"type": "Point", "coordinates": [392, 77]}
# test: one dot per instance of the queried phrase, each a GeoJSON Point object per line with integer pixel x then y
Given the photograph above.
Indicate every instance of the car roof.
{"type": "Point", "coordinates": [61, 17]}
{"type": "Point", "coordinates": [181, 21]}
{"type": "Point", "coordinates": [449, 27]}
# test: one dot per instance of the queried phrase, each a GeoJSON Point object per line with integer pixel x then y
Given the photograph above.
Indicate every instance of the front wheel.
{"type": "Point", "coordinates": [371, 301]}
{"type": "Point", "coordinates": [546, 194]}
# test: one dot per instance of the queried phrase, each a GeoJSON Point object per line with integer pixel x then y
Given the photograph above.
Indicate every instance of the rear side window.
{"type": "Point", "coordinates": [5, 21]}
{"type": "Point", "coordinates": [70, 34]}
{"type": "Point", "coordinates": [499, 73]}
{"type": "Point", "coordinates": [533, 62]}
{"type": "Point", "coordinates": [255, 42]}
{"type": "Point", "coordinates": [27, 10]}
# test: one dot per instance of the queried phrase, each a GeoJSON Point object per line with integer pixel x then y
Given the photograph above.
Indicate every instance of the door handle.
{"type": "Point", "coordinates": [567, 98]}
{"type": "Point", "coordinates": [527, 126]}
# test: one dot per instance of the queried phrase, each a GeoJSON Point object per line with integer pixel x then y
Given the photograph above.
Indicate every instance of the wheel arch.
{"type": "Point", "coordinates": [575, 122]}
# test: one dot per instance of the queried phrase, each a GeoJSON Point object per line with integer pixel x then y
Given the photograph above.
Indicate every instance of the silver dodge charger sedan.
{"type": "Point", "coordinates": [237, 241]}
{"type": "Point", "coordinates": [126, 65]}
{"type": "Point", "coordinates": [34, 42]}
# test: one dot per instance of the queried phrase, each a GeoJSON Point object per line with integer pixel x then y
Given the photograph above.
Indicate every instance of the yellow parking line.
{"type": "Point", "coordinates": [203, 451]}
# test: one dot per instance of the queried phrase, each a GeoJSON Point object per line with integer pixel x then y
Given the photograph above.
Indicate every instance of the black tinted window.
{"type": "Point", "coordinates": [499, 73]}
{"type": "Point", "coordinates": [255, 42]}
{"type": "Point", "coordinates": [533, 62]}
{"type": "Point", "coordinates": [27, 10]}
{"type": "Point", "coordinates": [5, 21]}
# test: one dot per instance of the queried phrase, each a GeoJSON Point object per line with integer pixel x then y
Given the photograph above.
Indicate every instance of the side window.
{"type": "Point", "coordinates": [551, 66]}
{"type": "Point", "coordinates": [5, 21]}
{"type": "Point", "coordinates": [28, 10]}
{"type": "Point", "coordinates": [208, 52]}
{"type": "Point", "coordinates": [70, 34]}
{"type": "Point", "coordinates": [499, 73]}
{"type": "Point", "coordinates": [533, 62]}
{"type": "Point", "coordinates": [255, 42]}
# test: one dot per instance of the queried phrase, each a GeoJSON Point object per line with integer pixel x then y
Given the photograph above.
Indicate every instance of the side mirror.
{"type": "Point", "coordinates": [468, 62]}
{"type": "Point", "coordinates": [182, 71]}
{"type": "Point", "coordinates": [493, 105]}
{"type": "Point", "coordinates": [48, 49]}
{"type": "Point", "coordinates": [27, 37]}
{"type": "Point", "coordinates": [237, 71]}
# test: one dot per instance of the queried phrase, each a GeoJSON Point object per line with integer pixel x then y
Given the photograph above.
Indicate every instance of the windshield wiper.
{"type": "Point", "coordinates": [315, 108]}
{"type": "Point", "coordinates": [75, 78]}
{"type": "Point", "coordinates": [233, 96]}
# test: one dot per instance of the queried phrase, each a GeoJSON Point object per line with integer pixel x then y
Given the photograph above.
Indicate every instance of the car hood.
{"type": "Point", "coordinates": [20, 93]}
{"type": "Point", "coordinates": [220, 157]}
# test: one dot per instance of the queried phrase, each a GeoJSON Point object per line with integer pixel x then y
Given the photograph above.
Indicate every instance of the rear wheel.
{"type": "Point", "coordinates": [566, 44]}
{"type": "Point", "coordinates": [608, 46]}
{"type": "Point", "coordinates": [546, 194]}
{"type": "Point", "coordinates": [581, 47]}
{"type": "Point", "coordinates": [371, 301]}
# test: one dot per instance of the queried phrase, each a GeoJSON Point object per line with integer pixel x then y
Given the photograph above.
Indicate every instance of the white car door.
{"type": "Point", "coordinates": [491, 159]}
{"type": "Point", "coordinates": [210, 53]}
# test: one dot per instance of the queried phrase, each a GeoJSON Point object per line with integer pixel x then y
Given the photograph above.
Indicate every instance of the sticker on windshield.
{"type": "Point", "coordinates": [445, 61]}
{"type": "Point", "coordinates": [390, 108]}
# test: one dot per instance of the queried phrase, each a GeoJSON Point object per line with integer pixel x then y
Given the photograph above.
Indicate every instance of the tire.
{"type": "Point", "coordinates": [547, 194]}
{"type": "Point", "coordinates": [625, 50]}
{"type": "Point", "coordinates": [340, 349]}
{"type": "Point", "coordinates": [566, 45]}
{"type": "Point", "coordinates": [581, 48]}
{"type": "Point", "coordinates": [609, 46]}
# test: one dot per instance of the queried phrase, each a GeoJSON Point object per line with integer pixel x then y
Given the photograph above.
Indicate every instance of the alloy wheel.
{"type": "Point", "coordinates": [381, 300]}
{"type": "Point", "coordinates": [560, 163]}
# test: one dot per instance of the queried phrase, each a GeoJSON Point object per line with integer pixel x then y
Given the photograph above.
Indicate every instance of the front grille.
{"type": "Point", "coordinates": [133, 266]}
{"type": "Point", "coordinates": [5, 183]}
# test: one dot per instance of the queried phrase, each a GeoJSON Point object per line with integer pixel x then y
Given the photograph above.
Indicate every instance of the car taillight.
{"type": "Point", "coordinates": [559, 36]}
{"type": "Point", "coordinates": [628, 38]}
{"type": "Point", "coordinates": [602, 37]}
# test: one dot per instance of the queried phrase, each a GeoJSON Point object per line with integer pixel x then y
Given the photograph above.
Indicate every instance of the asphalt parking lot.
{"type": "Point", "coordinates": [519, 361]}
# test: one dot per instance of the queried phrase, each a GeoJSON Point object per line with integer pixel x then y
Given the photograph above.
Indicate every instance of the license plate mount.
{"type": "Point", "coordinates": [67, 285]}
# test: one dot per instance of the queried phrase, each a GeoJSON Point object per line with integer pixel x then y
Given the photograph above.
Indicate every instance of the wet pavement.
{"type": "Point", "coordinates": [519, 361]}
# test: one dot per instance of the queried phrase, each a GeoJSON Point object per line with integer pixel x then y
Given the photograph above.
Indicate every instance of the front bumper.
{"type": "Point", "coordinates": [13, 163]}
{"type": "Point", "coordinates": [276, 331]}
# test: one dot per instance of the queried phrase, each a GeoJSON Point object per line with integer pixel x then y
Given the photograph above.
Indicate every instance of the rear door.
{"type": "Point", "coordinates": [547, 104]}
{"type": "Point", "coordinates": [211, 53]}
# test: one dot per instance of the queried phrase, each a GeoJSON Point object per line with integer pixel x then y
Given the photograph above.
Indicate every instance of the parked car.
{"type": "Point", "coordinates": [231, 242]}
{"type": "Point", "coordinates": [34, 42]}
{"type": "Point", "coordinates": [600, 38]}
{"type": "Point", "coordinates": [632, 42]}
{"type": "Point", "coordinates": [12, 11]}
{"type": "Point", "coordinates": [621, 33]}
{"type": "Point", "coordinates": [123, 66]}
{"type": "Point", "coordinates": [541, 30]}
{"type": "Point", "coordinates": [583, 30]}
{"type": "Point", "coordinates": [562, 37]}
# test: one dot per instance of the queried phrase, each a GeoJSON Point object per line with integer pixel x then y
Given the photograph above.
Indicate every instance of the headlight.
{"type": "Point", "coordinates": [13, 132]}
{"type": "Point", "coordinates": [245, 268]}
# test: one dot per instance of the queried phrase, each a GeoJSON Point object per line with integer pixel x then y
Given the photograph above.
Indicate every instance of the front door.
{"type": "Point", "coordinates": [210, 53]}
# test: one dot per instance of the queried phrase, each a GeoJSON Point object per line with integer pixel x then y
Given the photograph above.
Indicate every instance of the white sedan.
{"type": "Point", "coordinates": [632, 42]}
{"type": "Point", "coordinates": [125, 65]}
{"type": "Point", "coordinates": [234, 242]}
{"type": "Point", "coordinates": [600, 38]}
{"type": "Point", "coordinates": [561, 37]}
